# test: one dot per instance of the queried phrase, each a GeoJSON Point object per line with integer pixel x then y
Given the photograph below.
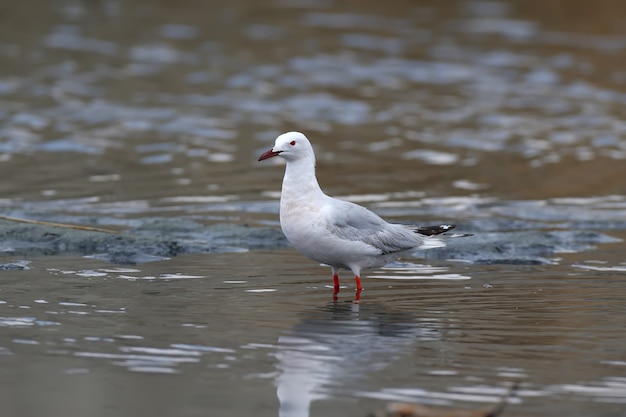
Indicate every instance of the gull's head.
{"type": "Point", "coordinates": [291, 146]}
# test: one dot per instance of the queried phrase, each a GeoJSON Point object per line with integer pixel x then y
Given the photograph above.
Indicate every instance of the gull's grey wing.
{"type": "Point", "coordinates": [352, 222]}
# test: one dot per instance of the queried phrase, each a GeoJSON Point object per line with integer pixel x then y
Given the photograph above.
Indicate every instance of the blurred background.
{"type": "Point", "coordinates": [126, 107]}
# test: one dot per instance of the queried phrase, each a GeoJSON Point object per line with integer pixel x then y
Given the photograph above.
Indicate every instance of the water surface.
{"type": "Point", "coordinates": [219, 334]}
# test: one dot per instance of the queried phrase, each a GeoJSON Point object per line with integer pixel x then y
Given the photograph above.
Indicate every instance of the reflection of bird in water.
{"type": "Point", "coordinates": [336, 343]}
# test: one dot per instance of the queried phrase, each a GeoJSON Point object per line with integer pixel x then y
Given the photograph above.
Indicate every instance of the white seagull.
{"type": "Point", "coordinates": [338, 233]}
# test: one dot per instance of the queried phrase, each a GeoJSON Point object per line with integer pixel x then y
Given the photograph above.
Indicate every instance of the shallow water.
{"type": "Point", "coordinates": [220, 335]}
{"type": "Point", "coordinates": [504, 117]}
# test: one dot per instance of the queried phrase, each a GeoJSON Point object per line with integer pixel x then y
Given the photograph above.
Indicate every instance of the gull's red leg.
{"type": "Point", "coordinates": [335, 286]}
{"type": "Point", "coordinates": [359, 288]}
{"type": "Point", "coordinates": [357, 279]}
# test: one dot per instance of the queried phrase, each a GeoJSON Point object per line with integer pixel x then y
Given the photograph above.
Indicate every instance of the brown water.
{"type": "Point", "coordinates": [498, 116]}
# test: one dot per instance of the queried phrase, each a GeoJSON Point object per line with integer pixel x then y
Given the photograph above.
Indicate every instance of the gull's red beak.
{"type": "Point", "coordinates": [269, 154]}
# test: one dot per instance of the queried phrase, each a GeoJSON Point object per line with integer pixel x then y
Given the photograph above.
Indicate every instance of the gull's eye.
{"type": "Point", "coordinates": [292, 143]}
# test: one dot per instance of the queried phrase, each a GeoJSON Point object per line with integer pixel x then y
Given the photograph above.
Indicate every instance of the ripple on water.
{"type": "Point", "coordinates": [163, 362]}
{"type": "Point", "coordinates": [407, 271]}
{"type": "Point", "coordinates": [482, 394]}
{"type": "Point", "coordinates": [614, 268]}
{"type": "Point", "coordinates": [148, 359]}
{"type": "Point", "coordinates": [25, 322]}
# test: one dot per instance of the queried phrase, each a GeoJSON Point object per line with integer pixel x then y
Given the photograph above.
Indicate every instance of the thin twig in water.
{"type": "Point", "coordinates": [67, 226]}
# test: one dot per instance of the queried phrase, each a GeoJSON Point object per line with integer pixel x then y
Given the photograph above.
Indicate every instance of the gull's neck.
{"type": "Point", "coordinates": [300, 182]}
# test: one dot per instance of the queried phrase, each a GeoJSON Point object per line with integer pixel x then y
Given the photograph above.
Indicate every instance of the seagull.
{"type": "Point", "coordinates": [338, 233]}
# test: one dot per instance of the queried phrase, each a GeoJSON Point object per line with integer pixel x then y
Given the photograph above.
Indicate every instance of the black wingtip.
{"type": "Point", "coordinates": [434, 230]}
